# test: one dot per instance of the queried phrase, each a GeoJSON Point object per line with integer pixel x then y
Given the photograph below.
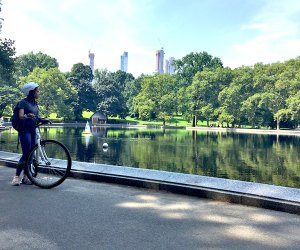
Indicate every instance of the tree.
{"type": "Point", "coordinates": [157, 97]}
{"type": "Point", "coordinates": [110, 98]}
{"type": "Point", "coordinates": [232, 96]}
{"type": "Point", "coordinates": [192, 63]}
{"type": "Point", "coordinates": [81, 77]}
{"type": "Point", "coordinates": [294, 107]}
{"type": "Point", "coordinates": [7, 52]}
{"type": "Point", "coordinates": [26, 63]}
{"type": "Point", "coordinates": [189, 65]}
{"type": "Point", "coordinates": [252, 110]}
{"type": "Point", "coordinates": [122, 78]}
{"type": "Point", "coordinates": [8, 88]}
{"type": "Point", "coordinates": [275, 91]}
{"type": "Point", "coordinates": [204, 91]}
{"type": "Point", "coordinates": [131, 90]}
{"type": "Point", "coordinates": [56, 92]}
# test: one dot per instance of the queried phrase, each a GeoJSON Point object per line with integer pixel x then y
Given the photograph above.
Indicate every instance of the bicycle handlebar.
{"type": "Point", "coordinates": [43, 122]}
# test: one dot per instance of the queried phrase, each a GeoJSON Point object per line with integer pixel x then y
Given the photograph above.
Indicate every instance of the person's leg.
{"type": "Point", "coordinates": [25, 140]}
{"type": "Point", "coordinates": [32, 143]}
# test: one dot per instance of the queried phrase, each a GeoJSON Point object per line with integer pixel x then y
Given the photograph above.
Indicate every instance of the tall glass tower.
{"type": "Point", "coordinates": [160, 61]}
{"type": "Point", "coordinates": [124, 62]}
{"type": "Point", "coordinates": [92, 57]}
{"type": "Point", "coordinates": [170, 67]}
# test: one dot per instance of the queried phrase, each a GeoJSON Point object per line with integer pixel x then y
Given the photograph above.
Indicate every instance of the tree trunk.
{"type": "Point", "coordinates": [194, 124]}
{"type": "Point", "coordinates": [277, 124]}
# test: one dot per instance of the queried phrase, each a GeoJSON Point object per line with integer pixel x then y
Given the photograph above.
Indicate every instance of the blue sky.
{"type": "Point", "coordinates": [239, 32]}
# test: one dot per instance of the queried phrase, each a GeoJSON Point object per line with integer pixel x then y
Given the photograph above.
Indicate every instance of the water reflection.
{"type": "Point", "coordinates": [249, 157]}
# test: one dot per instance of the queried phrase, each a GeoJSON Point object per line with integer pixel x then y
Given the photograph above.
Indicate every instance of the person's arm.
{"type": "Point", "coordinates": [23, 116]}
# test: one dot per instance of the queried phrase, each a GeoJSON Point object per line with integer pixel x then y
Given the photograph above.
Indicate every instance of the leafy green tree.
{"type": "Point", "coordinates": [294, 107]}
{"type": "Point", "coordinates": [232, 96]}
{"type": "Point", "coordinates": [186, 69]}
{"type": "Point", "coordinates": [57, 93]}
{"type": "Point", "coordinates": [122, 78]}
{"type": "Point", "coordinates": [204, 91]}
{"type": "Point", "coordinates": [81, 77]}
{"type": "Point", "coordinates": [27, 62]}
{"type": "Point", "coordinates": [189, 65]}
{"type": "Point", "coordinates": [157, 97]}
{"type": "Point", "coordinates": [131, 90]}
{"type": "Point", "coordinates": [182, 106]}
{"type": "Point", "coordinates": [8, 88]}
{"type": "Point", "coordinates": [275, 91]}
{"type": "Point", "coordinates": [110, 98]}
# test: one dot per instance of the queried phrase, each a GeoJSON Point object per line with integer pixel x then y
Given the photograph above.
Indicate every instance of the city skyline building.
{"type": "Point", "coordinates": [167, 67]}
{"type": "Point", "coordinates": [92, 60]}
{"type": "Point", "coordinates": [160, 61]}
{"type": "Point", "coordinates": [124, 62]}
{"type": "Point", "coordinates": [170, 67]}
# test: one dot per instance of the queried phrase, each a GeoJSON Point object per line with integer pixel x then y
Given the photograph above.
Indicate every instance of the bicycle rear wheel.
{"type": "Point", "coordinates": [48, 165]}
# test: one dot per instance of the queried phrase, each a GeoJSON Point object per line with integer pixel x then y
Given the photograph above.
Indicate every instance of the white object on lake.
{"type": "Point", "coordinates": [87, 129]}
{"type": "Point", "coordinates": [105, 145]}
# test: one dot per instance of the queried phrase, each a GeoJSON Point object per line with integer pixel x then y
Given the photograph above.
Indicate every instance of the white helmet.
{"type": "Point", "coordinates": [29, 86]}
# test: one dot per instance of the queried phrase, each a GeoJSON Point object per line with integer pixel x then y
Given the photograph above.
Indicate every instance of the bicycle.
{"type": "Point", "coordinates": [48, 162]}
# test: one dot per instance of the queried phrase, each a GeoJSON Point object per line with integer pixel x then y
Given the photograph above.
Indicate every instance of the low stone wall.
{"type": "Point", "coordinates": [247, 131]}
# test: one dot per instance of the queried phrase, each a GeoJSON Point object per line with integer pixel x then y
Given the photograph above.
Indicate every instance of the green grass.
{"type": "Point", "coordinates": [87, 114]}
{"type": "Point", "coordinates": [175, 121]}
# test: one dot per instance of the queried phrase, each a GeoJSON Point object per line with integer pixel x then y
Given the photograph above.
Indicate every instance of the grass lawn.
{"type": "Point", "coordinates": [175, 121]}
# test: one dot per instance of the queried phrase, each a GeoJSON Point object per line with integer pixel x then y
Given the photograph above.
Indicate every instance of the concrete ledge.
{"type": "Point", "coordinates": [295, 132]}
{"type": "Point", "coordinates": [246, 193]}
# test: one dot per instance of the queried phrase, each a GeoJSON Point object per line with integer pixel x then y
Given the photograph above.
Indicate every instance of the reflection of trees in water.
{"type": "Point", "coordinates": [257, 158]}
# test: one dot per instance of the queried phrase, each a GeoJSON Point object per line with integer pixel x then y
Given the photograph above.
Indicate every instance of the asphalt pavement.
{"type": "Point", "coordinates": [82, 214]}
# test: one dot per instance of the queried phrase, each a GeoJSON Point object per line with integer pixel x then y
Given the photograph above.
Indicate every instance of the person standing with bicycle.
{"type": "Point", "coordinates": [27, 111]}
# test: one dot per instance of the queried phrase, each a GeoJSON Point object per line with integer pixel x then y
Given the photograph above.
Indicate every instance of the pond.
{"type": "Point", "coordinates": [261, 158]}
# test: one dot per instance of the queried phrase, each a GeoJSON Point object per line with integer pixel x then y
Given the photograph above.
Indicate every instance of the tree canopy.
{"type": "Point", "coordinates": [81, 77]}
{"type": "Point", "coordinates": [56, 93]}
{"type": "Point", "coordinates": [27, 62]}
{"type": "Point", "coordinates": [8, 91]}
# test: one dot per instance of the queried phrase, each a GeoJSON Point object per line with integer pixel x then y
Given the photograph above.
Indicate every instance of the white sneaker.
{"type": "Point", "coordinates": [16, 181]}
{"type": "Point", "coordinates": [25, 180]}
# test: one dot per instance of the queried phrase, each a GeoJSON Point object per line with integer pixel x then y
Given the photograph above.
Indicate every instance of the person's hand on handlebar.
{"type": "Point", "coordinates": [29, 115]}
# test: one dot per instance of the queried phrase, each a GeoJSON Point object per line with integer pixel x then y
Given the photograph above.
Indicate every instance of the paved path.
{"type": "Point", "coordinates": [91, 215]}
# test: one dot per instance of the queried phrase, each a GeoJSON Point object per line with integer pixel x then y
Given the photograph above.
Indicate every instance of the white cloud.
{"type": "Point", "coordinates": [275, 36]}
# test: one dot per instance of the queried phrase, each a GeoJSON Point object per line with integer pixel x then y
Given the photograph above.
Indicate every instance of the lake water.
{"type": "Point", "coordinates": [270, 159]}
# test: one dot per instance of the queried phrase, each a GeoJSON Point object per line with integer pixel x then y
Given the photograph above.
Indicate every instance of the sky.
{"type": "Point", "coordinates": [239, 32]}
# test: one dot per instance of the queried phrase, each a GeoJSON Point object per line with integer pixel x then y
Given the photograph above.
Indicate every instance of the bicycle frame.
{"type": "Point", "coordinates": [40, 152]}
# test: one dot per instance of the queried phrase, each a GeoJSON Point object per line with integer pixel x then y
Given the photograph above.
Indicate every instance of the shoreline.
{"type": "Point", "coordinates": [295, 132]}
{"type": "Point", "coordinates": [247, 130]}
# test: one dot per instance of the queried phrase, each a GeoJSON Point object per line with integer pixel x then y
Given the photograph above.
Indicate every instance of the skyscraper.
{"type": "Point", "coordinates": [124, 61]}
{"type": "Point", "coordinates": [170, 67]}
{"type": "Point", "coordinates": [92, 57]}
{"type": "Point", "coordinates": [167, 67]}
{"type": "Point", "coordinates": [160, 61]}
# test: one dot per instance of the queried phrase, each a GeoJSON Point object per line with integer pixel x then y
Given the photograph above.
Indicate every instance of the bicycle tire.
{"type": "Point", "coordinates": [52, 170]}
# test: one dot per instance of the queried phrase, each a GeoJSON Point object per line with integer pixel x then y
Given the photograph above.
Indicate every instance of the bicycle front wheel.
{"type": "Point", "coordinates": [49, 164]}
